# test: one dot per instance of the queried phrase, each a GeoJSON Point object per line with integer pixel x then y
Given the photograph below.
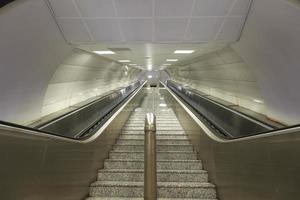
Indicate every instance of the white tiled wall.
{"type": "Point", "coordinates": [222, 74]}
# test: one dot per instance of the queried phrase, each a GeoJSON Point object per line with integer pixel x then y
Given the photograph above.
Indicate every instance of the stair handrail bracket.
{"type": "Point", "coordinates": [150, 176]}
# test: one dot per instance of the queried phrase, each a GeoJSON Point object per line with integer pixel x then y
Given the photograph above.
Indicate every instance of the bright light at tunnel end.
{"type": "Point", "coordinates": [150, 76]}
{"type": "Point", "coordinates": [104, 52]}
{"type": "Point", "coordinates": [184, 51]}
{"type": "Point", "coordinates": [124, 61]}
{"type": "Point", "coordinates": [172, 60]}
{"type": "Point", "coordinates": [258, 101]}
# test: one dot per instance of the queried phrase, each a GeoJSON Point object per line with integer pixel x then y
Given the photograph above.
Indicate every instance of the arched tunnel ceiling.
{"type": "Point", "coordinates": [151, 21]}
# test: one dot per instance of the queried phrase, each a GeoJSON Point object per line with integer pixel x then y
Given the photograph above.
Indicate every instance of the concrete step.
{"type": "Point", "coordinates": [162, 175]}
{"type": "Point", "coordinates": [159, 136]}
{"type": "Point", "coordinates": [159, 128]}
{"type": "Point", "coordinates": [157, 123]}
{"type": "Point", "coordinates": [173, 116]}
{"type": "Point", "coordinates": [161, 155]}
{"type": "Point", "coordinates": [162, 124]}
{"type": "Point", "coordinates": [165, 189]}
{"type": "Point", "coordinates": [158, 147]}
{"type": "Point", "coordinates": [161, 164]}
{"type": "Point", "coordinates": [132, 198]}
{"type": "Point", "coordinates": [141, 120]}
{"type": "Point", "coordinates": [162, 118]}
{"type": "Point", "coordinates": [158, 132]}
{"type": "Point", "coordinates": [158, 141]}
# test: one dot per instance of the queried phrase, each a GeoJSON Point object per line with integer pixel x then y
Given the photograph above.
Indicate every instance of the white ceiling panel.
{"type": "Point", "coordinates": [241, 7]}
{"type": "Point", "coordinates": [151, 21]}
{"type": "Point", "coordinates": [173, 8]}
{"type": "Point", "coordinates": [137, 29]}
{"type": "Point", "coordinates": [204, 29]}
{"type": "Point", "coordinates": [104, 29]}
{"type": "Point", "coordinates": [170, 29]}
{"type": "Point", "coordinates": [74, 30]}
{"type": "Point", "coordinates": [96, 8]}
{"type": "Point", "coordinates": [64, 8]}
{"type": "Point", "coordinates": [212, 7]}
{"type": "Point", "coordinates": [134, 8]}
{"type": "Point", "coordinates": [231, 29]}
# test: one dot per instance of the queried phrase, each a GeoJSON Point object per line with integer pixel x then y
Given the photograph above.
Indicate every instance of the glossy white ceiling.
{"type": "Point", "coordinates": [151, 21]}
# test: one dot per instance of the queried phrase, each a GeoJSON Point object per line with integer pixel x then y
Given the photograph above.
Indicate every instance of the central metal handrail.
{"type": "Point", "coordinates": [150, 180]}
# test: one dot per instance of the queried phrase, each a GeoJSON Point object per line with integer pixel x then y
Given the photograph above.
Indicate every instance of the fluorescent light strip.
{"type": "Point", "coordinates": [104, 52]}
{"type": "Point", "coordinates": [184, 51]}
{"type": "Point", "coordinates": [172, 60]}
{"type": "Point", "coordinates": [124, 61]}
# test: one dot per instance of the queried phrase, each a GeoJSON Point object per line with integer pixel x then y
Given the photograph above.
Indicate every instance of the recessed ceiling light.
{"type": "Point", "coordinates": [167, 64]}
{"type": "Point", "coordinates": [172, 60]}
{"type": "Point", "coordinates": [133, 64]}
{"type": "Point", "coordinates": [124, 61]}
{"type": "Point", "coordinates": [258, 101]}
{"type": "Point", "coordinates": [104, 52]}
{"type": "Point", "coordinates": [184, 51]}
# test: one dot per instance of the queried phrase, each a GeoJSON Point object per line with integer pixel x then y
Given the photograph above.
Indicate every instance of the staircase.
{"type": "Point", "coordinates": [179, 174]}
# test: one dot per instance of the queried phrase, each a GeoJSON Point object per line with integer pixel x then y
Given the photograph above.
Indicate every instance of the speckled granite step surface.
{"type": "Point", "coordinates": [131, 198]}
{"type": "Point", "coordinates": [180, 174]}
{"type": "Point", "coordinates": [169, 147]}
{"type": "Point", "coordinates": [161, 164]}
{"type": "Point", "coordinates": [162, 175]}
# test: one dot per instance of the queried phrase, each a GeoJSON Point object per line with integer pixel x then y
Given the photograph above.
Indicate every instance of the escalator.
{"type": "Point", "coordinates": [194, 161]}
{"type": "Point", "coordinates": [179, 173]}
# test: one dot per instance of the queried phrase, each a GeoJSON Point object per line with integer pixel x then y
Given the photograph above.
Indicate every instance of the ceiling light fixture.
{"type": "Point", "coordinates": [258, 101]}
{"type": "Point", "coordinates": [150, 76]}
{"type": "Point", "coordinates": [172, 60]}
{"type": "Point", "coordinates": [104, 52]}
{"type": "Point", "coordinates": [132, 64]}
{"type": "Point", "coordinates": [124, 61]}
{"type": "Point", "coordinates": [167, 64]}
{"type": "Point", "coordinates": [184, 51]}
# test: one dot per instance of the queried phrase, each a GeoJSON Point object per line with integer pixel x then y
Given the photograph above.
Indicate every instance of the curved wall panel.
{"type": "Point", "coordinates": [31, 47]}
{"type": "Point", "coordinates": [222, 74]}
{"type": "Point", "coordinates": [271, 44]}
{"type": "Point", "coordinates": [40, 73]}
{"type": "Point", "coordinates": [83, 75]}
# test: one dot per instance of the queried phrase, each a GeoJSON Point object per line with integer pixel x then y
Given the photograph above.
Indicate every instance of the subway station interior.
{"type": "Point", "coordinates": [149, 99]}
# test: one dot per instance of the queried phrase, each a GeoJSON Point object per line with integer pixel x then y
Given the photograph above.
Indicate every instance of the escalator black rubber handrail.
{"type": "Point", "coordinates": [269, 126]}
{"type": "Point", "coordinates": [42, 125]}
{"type": "Point", "coordinates": [32, 131]}
{"type": "Point", "coordinates": [280, 131]}
{"type": "Point", "coordinates": [236, 111]}
{"type": "Point", "coordinates": [216, 127]}
{"type": "Point", "coordinates": [212, 124]}
{"type": "Point", "coordinates": [83, 132]}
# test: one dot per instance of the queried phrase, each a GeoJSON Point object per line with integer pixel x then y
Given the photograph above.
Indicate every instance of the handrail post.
{"type": "Point", "coordinates": [150, 181]}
